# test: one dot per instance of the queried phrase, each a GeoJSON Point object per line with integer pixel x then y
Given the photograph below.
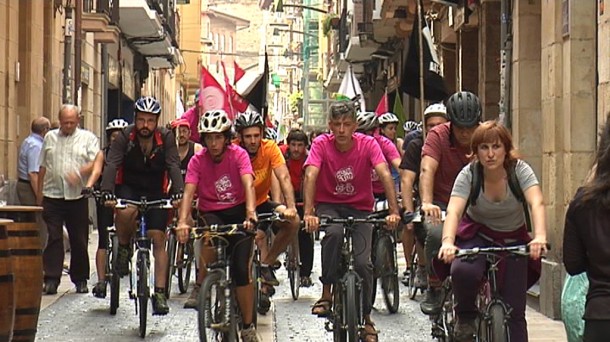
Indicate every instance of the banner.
{"type": "Point", "coordinates": [383, 106]}
{"type": "Point", "coordinates": [350, 89]}
{"type": "Point", "coordinates": [212, 95]}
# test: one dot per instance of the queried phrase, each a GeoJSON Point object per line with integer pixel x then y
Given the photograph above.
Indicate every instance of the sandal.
{"type": "Point", "coordinates": [321, 308]}
{"type": "Point", "coordinates": [369, 333]}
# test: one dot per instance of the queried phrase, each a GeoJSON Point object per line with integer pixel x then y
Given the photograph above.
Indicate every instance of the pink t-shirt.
{"type": "Point", "coordinates": [345, 177]}
{"type": "Point", "coordinates": [451, 159]}
{"type": "Point", "coordinates": [219, 185]}
{"type": "Point", "coordinates": [192, 117]}
{"type": "Point", "coordinates": [390, 152]}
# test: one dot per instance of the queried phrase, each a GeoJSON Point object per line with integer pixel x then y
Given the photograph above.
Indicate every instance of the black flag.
{"type": "Point", "coordinates": [434, 84]}
{"type": "Point", "coordinates": [257, 96]}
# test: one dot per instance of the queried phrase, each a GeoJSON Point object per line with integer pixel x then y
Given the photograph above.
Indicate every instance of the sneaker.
{"type": "Point", "coordinates": [159, 304]}
{"type": "Point", "coordinates": [405, 277]}
{"type": "Point", "coordinates": [122, 261]}
{"type": "Point", "coordinates": [264, 304]}
{"type": "Point", "coordinates": [306, 281]}
{"type": "Point", "coordinates": [465, 330]}
{"type": "Point", "coordinates": [269, 276]}
{"type": "Point", "coordinates": [193, 300]}
{"type": "Point", "coordinates": [249, 334]}
{"type": "Point", "coordinates": [99, 290]}
{"type": "Point", "coordinates": [432, 303]}
{"type": "Point", "coordinates": [421, 277]}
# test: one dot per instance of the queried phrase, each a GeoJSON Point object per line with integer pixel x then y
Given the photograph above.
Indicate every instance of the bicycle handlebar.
{"type": "Point", "coordinates": [221, 229]}
{"type": "Point", "coordinates": [520, 250]}
{"type": "Point", "coordinates": [143, 204]}
{"type": "Point", "coordinates": [327, 220]}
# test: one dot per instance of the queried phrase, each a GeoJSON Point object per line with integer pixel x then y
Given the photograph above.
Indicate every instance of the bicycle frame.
{"type": "Point", "coordinates": [493, 326]}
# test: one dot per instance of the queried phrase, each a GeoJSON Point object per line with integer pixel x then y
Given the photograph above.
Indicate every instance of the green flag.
{"type": "Point", "coordinates": [400, 114]}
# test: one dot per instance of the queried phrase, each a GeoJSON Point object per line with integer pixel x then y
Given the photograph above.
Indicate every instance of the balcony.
{"type": "Point", "coordinates": [148, 32]}
{"type": "Point", "coordinates": [360, 45]}
{"type": "Point", "coordinates": [101, 18]}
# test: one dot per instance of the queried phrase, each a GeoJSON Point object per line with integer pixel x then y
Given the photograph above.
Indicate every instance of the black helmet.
{"type": "Point", "coordinates": [464, 109]}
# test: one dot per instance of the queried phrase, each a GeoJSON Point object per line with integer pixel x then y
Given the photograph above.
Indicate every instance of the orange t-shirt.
{"type": "Point", "coordinates": [266, 160]}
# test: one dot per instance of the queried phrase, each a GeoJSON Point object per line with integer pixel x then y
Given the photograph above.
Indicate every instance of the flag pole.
{"type": "Point", "coordinates": [421, 62]}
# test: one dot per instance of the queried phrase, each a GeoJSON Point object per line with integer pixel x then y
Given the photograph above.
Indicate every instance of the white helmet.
{"type": "Point", "coordinates": [214, 121]}
{"type": "Point", "coordinates": [436, 109]}
{"type": "Point", "coordinates": [116, 124]}
{"type": "Point", "coordinates": [367, 121]}
{"type": "Point", "coordinates": [410, 126]}
{"type": "Point", "coordinates": [387, 118]}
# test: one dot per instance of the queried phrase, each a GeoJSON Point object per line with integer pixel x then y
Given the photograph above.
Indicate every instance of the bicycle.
{"type": "Point", "coordinates": [494, 313]}
{"type": "Point", "coordinates": [181, 257]}
{"type": "Point", "coordinates": [346, 319]}
{"type": "Point", "coordinates": [112, 278]}
{"type": "Point", "coordinates": [385, 264]}
{"type": "Point", "coordinates": [142, 244]}
{"type": "Point", "coordinates": [217, 307]}
{"type": "Point", "coordinates": [293, 266]}
{"type": "Point", "coordinates": [411, 288]}
{"type": "Point", "coordinates": [443, 323]}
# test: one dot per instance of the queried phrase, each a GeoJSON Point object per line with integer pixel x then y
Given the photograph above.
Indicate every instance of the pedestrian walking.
{"type": "Point", "coordinates": [66, 161]}
{"type": "Point", "coordinates": [27, 170]}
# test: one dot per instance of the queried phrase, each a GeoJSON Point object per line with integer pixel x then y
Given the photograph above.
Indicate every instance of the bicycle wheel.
{"type": "Point", "coordinates": [497, 323]}
{"type": "Point", "coordinates": [353, 307]}
{"type": "Point", "coordinates": [186, 255]}
{"type": "Point", "coordinates": [212, 308]}
{"type": "Point", "coordinates": [386, 253]}
{"type": "Point", "coordinates": [339, 334]}
{"type": "Point", "coordinates": [143, 290]}
{"type": "Point", "coordinates": [292, 263]}
{"type": "Point", "coordinates": [171, 263]}
{"type": "Point", "coordinates": [115, 280]}
{"type": "Point", "coordinates": [255, 269]}
{"type": "Point", "coordinates": [412, 273]}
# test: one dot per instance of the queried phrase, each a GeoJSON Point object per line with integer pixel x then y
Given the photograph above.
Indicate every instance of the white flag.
{"type": "Point", "coordinates": [350, 88]}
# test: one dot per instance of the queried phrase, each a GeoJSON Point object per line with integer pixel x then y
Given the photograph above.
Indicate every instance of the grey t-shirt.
{"type": "Point", "coordinates": [506, 215]}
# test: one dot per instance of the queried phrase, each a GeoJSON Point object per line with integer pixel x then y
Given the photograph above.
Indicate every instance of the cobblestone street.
{"type": "Point", "coordinates": [75, 317]}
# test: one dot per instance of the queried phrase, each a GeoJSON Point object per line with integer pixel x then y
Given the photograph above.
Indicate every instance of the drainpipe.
{"type": "Point", "coordinates": [67, 77]}
{"type": "Point", "coordinates": [77, 50]}
{"type": "Point", "coordinates": [506, 55]}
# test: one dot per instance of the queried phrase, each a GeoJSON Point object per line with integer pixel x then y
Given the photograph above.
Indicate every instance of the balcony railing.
{"type": "Point", "coordinates": [107, 7]}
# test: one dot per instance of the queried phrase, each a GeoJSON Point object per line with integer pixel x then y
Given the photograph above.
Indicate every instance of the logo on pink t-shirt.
{"type": "Point", "coordinates": [344, 177]}
{"type": "Point", "coordinates": [222, 185]}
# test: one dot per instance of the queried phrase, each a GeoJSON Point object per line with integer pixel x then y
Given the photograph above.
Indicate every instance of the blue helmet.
{"type": "Point", "coordinates": [148, 104]}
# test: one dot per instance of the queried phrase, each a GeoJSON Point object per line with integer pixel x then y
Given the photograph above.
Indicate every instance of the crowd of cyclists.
{"type": "Point", "coordinates": [222, 171]}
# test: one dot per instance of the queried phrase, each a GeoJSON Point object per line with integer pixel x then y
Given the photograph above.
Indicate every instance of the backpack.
{"type": "Point", "coordinates": [513, 183]}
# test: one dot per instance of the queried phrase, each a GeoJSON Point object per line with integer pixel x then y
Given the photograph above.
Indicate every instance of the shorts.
{"type": "Point", "coordinates": [156, 219]}
{"type": "Point", "coordinates": [266, 208]}
{"type": "Point", "coordinates": [240, 246]}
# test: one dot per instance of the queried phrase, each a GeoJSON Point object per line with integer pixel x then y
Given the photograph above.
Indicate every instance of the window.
{"type": "Point", "coordinates": [222, 43]}
{"type": "Point", "coordinates": [216, 41]}
{"type": "Point", "coordinates": [230, 48]}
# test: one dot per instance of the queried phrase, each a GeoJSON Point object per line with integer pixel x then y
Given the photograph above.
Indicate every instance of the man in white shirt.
{"type": "Point", "coordinates": [66, 160]}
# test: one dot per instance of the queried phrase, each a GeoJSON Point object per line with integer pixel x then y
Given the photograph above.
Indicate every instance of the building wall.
{"type": "Point", "coordinates": [191, 32]}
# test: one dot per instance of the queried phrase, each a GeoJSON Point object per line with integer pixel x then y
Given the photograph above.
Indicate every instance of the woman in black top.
{"type": "Point", "coordinates": [586, 240]}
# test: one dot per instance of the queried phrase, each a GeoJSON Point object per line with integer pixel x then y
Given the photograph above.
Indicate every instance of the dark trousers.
{"type": "Point", "coordinates": [596, 330]}
{"type": "Point", "coordinates": [26, 196]}
{"type": "Point", "coordinates": [331, 250]}
{"type": "Point", "coordinates": [305, 249]}
{"type": "Point", "coordinates": [75, 215]}
{"type": "Point", "coordinates": [466, 278]}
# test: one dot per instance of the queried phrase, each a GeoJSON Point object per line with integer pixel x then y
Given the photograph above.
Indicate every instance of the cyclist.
{"type": "Point", "coordinates": [368, 124]}
{"type": "Point", "coordinates": [143, 156]}
{"type": "Point", "coordinates": [268, 162]}
{"type": "Point", "coordinates": [434, 115]}
{"type": "Point", "coordinates": [496, 218]}
{"type": "Point", "coordinates": [221, 175]}
{"type": "Point", "coordinates": [338, 181]}
{"type": "Point", "coordinates": [271, 134]}
{"type": "Point", "coordinates": [105, 216]}
{"type": "Point", "coordinates": [186, 147]}
{"type": "Point", "coordinates": [192, 117]}
{"type": "Point", "coordinates": [446, 151]}
{"type": "Point", "coordinates": [295, 158]}
{"type": "Point", "coordinates": [388, 123]}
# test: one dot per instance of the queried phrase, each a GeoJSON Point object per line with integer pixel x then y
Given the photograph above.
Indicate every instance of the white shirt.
{"type": "Point", "coordinates": [62, 154]}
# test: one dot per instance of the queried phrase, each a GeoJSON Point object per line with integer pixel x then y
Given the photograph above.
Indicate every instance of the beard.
{"type": "Point", "coordinates": [144, 133]}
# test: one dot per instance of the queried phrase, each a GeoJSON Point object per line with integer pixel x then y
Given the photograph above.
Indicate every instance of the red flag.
{"type": "Point", "coordinates": [212, 95]}
{"type": "Point", "coordinates": [238, 72]}
{"type": "Point", "coordinates": [383, 106]}
{"type": "Point", "coordinates": [236, 102]}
